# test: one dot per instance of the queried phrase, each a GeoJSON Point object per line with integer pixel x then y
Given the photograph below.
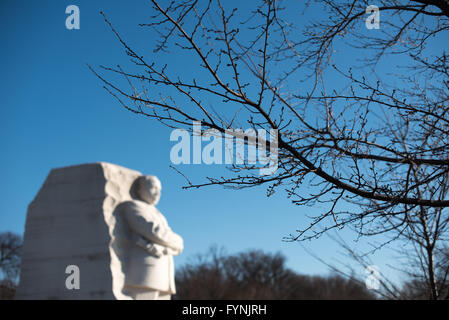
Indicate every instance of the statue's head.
{"type": "Point", "coordinates": [149, 189]}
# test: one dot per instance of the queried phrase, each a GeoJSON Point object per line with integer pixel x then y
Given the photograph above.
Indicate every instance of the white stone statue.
{"type": "Point", "coordinates": [100, 219]}
{"type": "Point", "coordinates": [148, 265]}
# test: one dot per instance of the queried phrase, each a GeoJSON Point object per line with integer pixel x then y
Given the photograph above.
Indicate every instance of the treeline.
{"type": "Point", "coordinates": [250, 275]}
{"type": "Point", "coordinates": [10, 257]}
{"type": "Point", "coordinates": [258, 275]}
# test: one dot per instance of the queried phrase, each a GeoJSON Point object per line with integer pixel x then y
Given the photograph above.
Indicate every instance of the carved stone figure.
{"type": "Point", "coordinates": [149, 267]}
{"type": "Point", "coordinates": [100, 219]}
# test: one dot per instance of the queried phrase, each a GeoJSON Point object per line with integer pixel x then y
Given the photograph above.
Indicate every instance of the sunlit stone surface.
{"type": "Point", "coordinates": [71, 221]}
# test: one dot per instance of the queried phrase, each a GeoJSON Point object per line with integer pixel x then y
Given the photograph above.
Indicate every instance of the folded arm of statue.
{"type": "Point", "coordinates": [155, 249]}
{"type": "Point", "coordinates": [146, 221]}
{"type": "Point", "coordinates": [150, 247]}
{"type": "Point", "coordinates": [172, 252]}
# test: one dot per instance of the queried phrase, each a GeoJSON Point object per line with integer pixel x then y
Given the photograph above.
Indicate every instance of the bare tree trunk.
{"type": "Point", "coordinates": [431, 273]}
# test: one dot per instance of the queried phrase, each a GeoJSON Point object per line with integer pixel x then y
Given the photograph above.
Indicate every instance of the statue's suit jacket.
{"type": "Point", "coordinates": [141, 268]}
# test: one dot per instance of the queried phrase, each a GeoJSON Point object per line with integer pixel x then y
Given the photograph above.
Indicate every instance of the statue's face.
{"type": "Point", "coordinates": [150, 190]}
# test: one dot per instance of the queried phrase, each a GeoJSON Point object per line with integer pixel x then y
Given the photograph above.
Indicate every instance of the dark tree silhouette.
{"type": "Point", "coordinates": [371, 147]}
{"type": "Point", "coordinates": [258, 275]}
{"type": "Point", "coordinates": [10, 257]}
{"type": "Point", "coordinates": [417, 287]}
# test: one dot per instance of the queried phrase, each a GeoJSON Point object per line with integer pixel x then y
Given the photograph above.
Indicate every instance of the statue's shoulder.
{"type": "Point", "coordinates": [131, 205]}
{"type": "Point", "coordinates": [135, 205]}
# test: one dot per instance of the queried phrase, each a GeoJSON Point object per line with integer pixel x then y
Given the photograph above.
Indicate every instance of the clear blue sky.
{"type": "Point", "coordinates": [55, 113]}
